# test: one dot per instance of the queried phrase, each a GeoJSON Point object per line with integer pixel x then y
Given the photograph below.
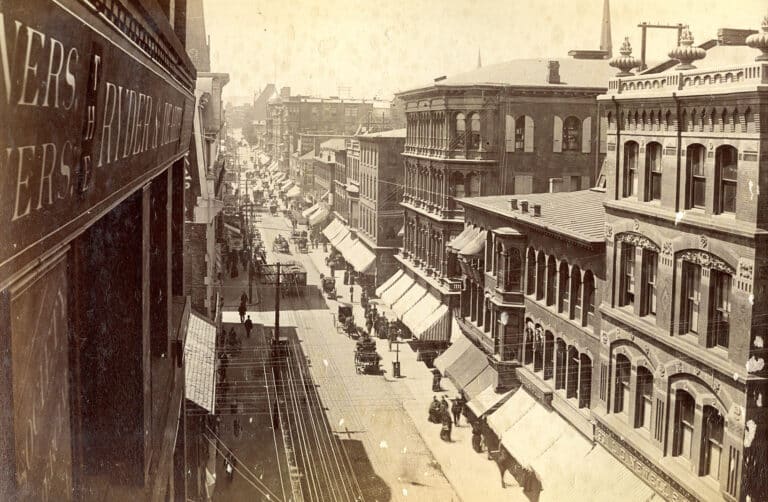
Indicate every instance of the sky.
{"type": "Point", "coordinates": [376, 48]}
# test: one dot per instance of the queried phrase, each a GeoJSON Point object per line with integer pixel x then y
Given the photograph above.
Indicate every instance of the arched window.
{"type": "Point", "coordinates": [538, 350]}
{"type": "Point", "coordinates": [541, 273]}
{"type": "Point", "coordinates": [564, 303]}
{"type": "Point", "coordinates": [712, 439]}
{"type": "Point", "coordinates": [621, 389]}
{"type": "Point", "coordinates": [549, 355]}
{"type": "Point", "coordinates": [529, 342]}
{"type": "Point", "coordinates": [474, 139]}
{"type": "Point", "coordinates": [653, 171]}
{"type": "Point", "coordinates": [551, 277]}
{"type": "Point", "coordinates": [684, 413]}
{"type": "Point", "coordinates": [575, 312]}
{"type": "Point", "coordinates": [512, 270]}
{"type": "Point", "coordinates": [631, 153]}
{"type": "Point", "coordinates": [726, 169]}
{"type": "Point", "coordinates": [461, 131]}
{"type": "Point", "coordinates": [499, 261]}
{"type": "Point", "coordinates": [458, 184]}
{"type": "Point", "coordinates": [585, 381]}
{"type": "Point", "coordinates": [560, 358]}
{"type": "Point", "coordinates": [572, 134]}
{"type": "Point", "coordinates": [644, 403]}
{"type": "Point", "coordinates": [530, 263]}
{"type": "Point", "coordinates": [589, 299]}
{"type": "Point", "coordinates": [572, 375]}
{"type": "Point", "coordinates": [696, 180]}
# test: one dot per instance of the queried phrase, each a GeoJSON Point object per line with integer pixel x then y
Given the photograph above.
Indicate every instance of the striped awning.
{"type": "Point", "coordinates": [436, 327]}
{"type": "Point", "coordinates": [463, 238]}
{"type": "Point", "coordinates": [310, 210]}
{"type": "Point", "coordinates": [475, 246]}
{"type": "Point", "coordinates": [359, 256]}
{"type": "Point", "coordinates": [318, 216]}
{"type": "Point", "coordinates": [389, 282]}
{"type": "Point", "coordinates": [411, 297]}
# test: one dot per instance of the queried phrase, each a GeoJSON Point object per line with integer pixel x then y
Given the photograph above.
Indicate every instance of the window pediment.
{"type": "Point", "coordinates": [638, 240]}
{"type": "Point", "coordinates": [706, 260]}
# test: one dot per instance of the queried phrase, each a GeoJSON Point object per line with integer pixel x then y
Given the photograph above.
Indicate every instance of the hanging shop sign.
{"type": "Point", "coordinates": [86, 118]}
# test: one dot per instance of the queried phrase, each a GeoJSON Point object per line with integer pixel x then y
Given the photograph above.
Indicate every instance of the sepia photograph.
{"type": "Point", "coordinates": [361, 251]}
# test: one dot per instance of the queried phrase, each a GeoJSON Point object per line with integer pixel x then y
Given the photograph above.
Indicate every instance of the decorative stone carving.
{"type": "Point", "coordinates": [604, 339]}
{"type": "Point", "coordinates": [662, 372]}
{"type": "Point", "coordinates": [703, 242]}
{"type": "Point", "coordinates": [666, 248]}
{"type": "Point", "coordinates": [636, 225]}
{"type": "Point", "coordinates": [716, 386]}
{"type": "Point", "coordinates": [638, 240]}
{"type": "Point", "coordinates": [608, 232]}
{"type": "Point", "coordinates": [706, 260]}
{"type": "Point", "coordinates": [665, 296]}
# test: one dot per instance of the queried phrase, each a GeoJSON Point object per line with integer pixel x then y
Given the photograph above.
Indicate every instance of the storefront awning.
{"type": "Point", "coordinates": [232, 228]}
{"type": "Point", "coordinates": [333, 228]}
{"type": "Point", "coordinates": [286, 185]}
{"type": "Point", "coordinates": [200, 363]}
{"type": "Point", "coordinates": [278, 178]}
{"type": "Point", "coordinates": [466, 368]}
{"type": "Point", "coordinates": [344, 243]}
{"type": "Point", "coordinates": [293, 192]}
{"type": "Point", "coordinates": [360, 257]}
{"type": "Point", "coordinates": [487, 400]}
{"type": "Point", "coordinates": [318, 217]}
{"type": "Point", "coordinates": [389, 282]}
{"type": "Point", "coordinates": [475, 246]}
{"type": "Point", "coordinates": [568, 465]}
{"type": "Point", "coordinates": [436, 327]}
{"type": "Point", "coordinates": [421, 311]}
{"type": "Point", "coordinates": [486, 378]}
{"type": "Point", "coordinates": [411, 297]}
{"type": "Point", "coordinates": [308, 211]}
{"type": "Point", "coordinates": [463, 238]}
{"type": "Point", "coordinates": [397, 290]}
{"type": "Point", "coordinates": [452, 353]}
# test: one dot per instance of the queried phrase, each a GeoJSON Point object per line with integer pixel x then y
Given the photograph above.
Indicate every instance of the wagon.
{"type": "Point", "coordinates": [367, 363]}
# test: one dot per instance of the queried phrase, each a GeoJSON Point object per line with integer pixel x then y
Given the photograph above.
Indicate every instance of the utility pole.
{"type": "Point", "coordinates": [277, 305]}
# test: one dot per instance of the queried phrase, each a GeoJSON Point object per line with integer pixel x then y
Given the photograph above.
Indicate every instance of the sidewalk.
{"type": "Point", "coordinates": [471, 474]}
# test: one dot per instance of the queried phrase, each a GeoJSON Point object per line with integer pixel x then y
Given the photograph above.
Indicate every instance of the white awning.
{"type": "Point", "coordinates": [359, 256]}
{"type": "Point", "coordinates": [307, 212]}
{"type": "Point", "coordinates": [487, 401]}
{"type": "Point", "coordinates": [340, 237]}
{"type": "Point", "coordinates": [333, 228]}
{"type": "Point", "coordinates": [318, 216]}
{"type": "Point", "coordinates": [397, 290]}
{"type": "Point", "coordinates": [421, 311]}
{"type": "Point", "coordinates": [200, 363]}
{"type": "Point", "coordinates": [475, 246]}
{"type": "Point", "coordinates": [286, 184]}
{"type": "Point", "coordinates": [463, 238]}
{"type": "Point", "coordinates": [293, 192]}
{"type": "Point", "coordinates": [411, 297]}
{"type": "Point", "coordinates": [452, 353]}
{"type": "Point", "coordinates": [436, 327]}
{"type": "Point", "coordinates": [511, 412]}
{"type": "Point", "coordinates": [389, 282]}
{"type": "Point", "coordinates": [232, 228]}
{"type": "Point", "coordinates": [344, 244]}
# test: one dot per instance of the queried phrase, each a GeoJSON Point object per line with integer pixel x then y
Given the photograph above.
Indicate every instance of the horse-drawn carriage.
{"type": "Point", "coordinates": [280, 245]}
{"type": "Point", "coordinates": [328, 283]}
{"type": "Point", "coordinates": [366, 357]}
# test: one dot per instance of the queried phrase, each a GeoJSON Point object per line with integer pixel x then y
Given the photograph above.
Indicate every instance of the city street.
{"type": "Point", "coordinates": [389, 459]}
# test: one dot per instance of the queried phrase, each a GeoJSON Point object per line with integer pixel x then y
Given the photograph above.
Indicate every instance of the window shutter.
{"type": "Point", "coordinates": [603, 132]}
{"type": "Point", "coordinates": [586, 135]}
{"type": "Point", "coordinates": [528, 134]}
{"type": "Point", "coordinates": [557, 135]}
{"type": "Point", "coordinates": [509, 133]}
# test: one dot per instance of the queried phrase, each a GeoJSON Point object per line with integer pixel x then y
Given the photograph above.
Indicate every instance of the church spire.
{"type": "Point", "coordinates": [605, 34]}
{"type": "Point", "coordinates": [479, 59]}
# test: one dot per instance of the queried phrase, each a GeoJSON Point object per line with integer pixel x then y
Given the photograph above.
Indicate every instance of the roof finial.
{"type": "Point", "coordinates": [685, 52]}
{"type": "Point", "coordinates": [479, 59]}
{"type": "Point", "coordinates": [625, 62]}
{"type": "Point", "coordinates": [605, 34]}
{"type": "Point", "coordinates": [760, 41]}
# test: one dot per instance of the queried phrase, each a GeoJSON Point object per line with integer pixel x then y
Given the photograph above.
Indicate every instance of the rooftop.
{"type": "Point", "coordinates": [392, 133]}
{"type": "Point", "coordinates": [335, 144]}
{"type": "Point", "coordinates": [309, 155]}
{"type": "Point", "coordinates": [585, 73]}
{"type": "Point", "coordinates": [579, 215]}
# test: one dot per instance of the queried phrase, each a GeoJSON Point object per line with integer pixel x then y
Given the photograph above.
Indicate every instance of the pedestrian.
{"type": "Point", "coordinates": [243, 298]}
{"type": "Point", "coordinates": [369, 325]}
{"type": "Point", "coordinates": [477, 438]}
{"type": "Point", "coordinates": [444, 406]}
{"type": "Point", "coordinates": [447, 425]}
{"type": "Point", "coordinates": [351, 294]}
{"type": "Point", "coordinates": [241, 311]}
{"type": "Point", "coordinates": [436, 377]}
{"type": "Point", "coordinates": [502, 463]}
{"type": "Point", "coordinates": [248, 327]}
{"type": "Point", "coordinates": [456, 408]}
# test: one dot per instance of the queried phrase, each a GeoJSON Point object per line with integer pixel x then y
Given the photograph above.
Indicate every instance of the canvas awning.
{"type": "Point", "coordinates": [200, 363]}
{"type": "Point", "coordinates": [411, 297]}
{"type": "Point", "coordinates": [421, 311]}
{"type": "Point", "coordinates": [486, 378]}
{"type": "Point", "coordinates": [326, 196]}
{"type": "Point", "coordinates": [452, 353]}
{"type": "Point", "coordinates": [232, 228]}
{"type": "Point", "coordinates": [318, 217]}
{"type": "Point", "coordinates": [359, 256]}
{"type": "Point", "coordinates": [487, 400]}
{"type": "Point", "coordinates": [393, 294]}
{"type": "Point", "coordinates": [436, 327]}
{"type": "Point", "coordinates": [310, 210]}
{"type": "Point", "coordinates": [466, 368]}
{"type": "Point", "coordinates": [344, 243]}
{"type": "Point", "coordinates": [389, 282]}
{"type": "Point", "coordinates": [333, 228]}
{"type": "Point", "coordinates": [285, 185]}
{"type": "Point", "coordinates": [463, 238]}
{"type": "Point", "coordinates": [475, 246]}
{"type": "Point", "coordinates": [293, 192]}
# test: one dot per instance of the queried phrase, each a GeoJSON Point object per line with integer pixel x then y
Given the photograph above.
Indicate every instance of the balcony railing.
{"type": "Point", "coordinates": [755, 74]}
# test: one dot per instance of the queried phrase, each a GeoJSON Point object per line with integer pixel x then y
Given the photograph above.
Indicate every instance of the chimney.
{"type": "Point", "coordinates": [553, 76]}
{"type": "Point", "coordinates": [524, 206]}
{"type": "Point", "coordinates": [285, 92]}
{"type": "Point", "coordinates": [537, 209]}
{"type": "Point", "coordinates": [513, 204]}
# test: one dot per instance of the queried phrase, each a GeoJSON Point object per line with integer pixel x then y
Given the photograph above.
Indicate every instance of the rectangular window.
{"type": "Point", "coordinates": [684, 436]}
{"type": "Point", "coordinates": [697, 180]}
{"type": "Point", "coordinates": [627, 296]}
{"type": "Point", "coordinates": [713, 441]}
{"type": "Point", "coordinates": [520, 133]}
{"type": "Point", "coordinates": [689, 311]}
{"type": "Point", "coordinates": [719, 324]}
{"type": "Point", "coordinates": [644, 398]}
{"type": "Point", "coordinates": [653, 166]}
{"type": "Point", "coordinates": [631, 150]}
{"type": "Point", "coordinates": [650, 272]}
